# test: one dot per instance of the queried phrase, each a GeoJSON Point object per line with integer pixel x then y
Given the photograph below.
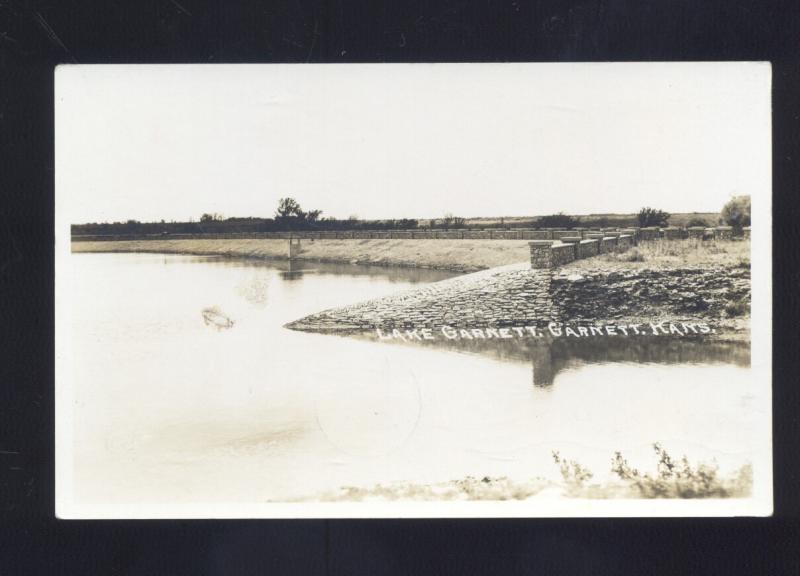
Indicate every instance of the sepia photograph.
{"type": "Point", "coordinates": [413, 290]}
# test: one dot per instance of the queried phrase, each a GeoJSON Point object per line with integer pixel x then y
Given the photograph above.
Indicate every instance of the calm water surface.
{"type": "Point", "coordinates": [168, 408]}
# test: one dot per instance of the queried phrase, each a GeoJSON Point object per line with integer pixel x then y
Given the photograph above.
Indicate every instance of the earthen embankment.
{"type": "Point", "coordinates": [456, 255]}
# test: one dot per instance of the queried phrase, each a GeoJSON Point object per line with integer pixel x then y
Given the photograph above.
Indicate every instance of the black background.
{"type": "Point", "coordinates": [37, 35]}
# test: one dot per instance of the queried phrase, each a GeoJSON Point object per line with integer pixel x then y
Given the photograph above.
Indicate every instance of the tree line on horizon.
{"type": "Point", "coordinates": [289, 215]}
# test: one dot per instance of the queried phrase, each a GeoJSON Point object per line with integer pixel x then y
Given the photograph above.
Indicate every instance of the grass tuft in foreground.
{"type": "Point", "coordinates": [671, 479]}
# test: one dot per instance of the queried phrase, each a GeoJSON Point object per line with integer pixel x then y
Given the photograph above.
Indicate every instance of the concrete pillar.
{"type": "Point", "coordinates": [541, 254]}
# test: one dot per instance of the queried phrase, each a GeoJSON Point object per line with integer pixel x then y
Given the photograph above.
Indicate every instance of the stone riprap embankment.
{"type": "Point", "coordinates": [709, 293]}
{"type": "Point", "coordinates": [487, 298]}
{"type": "Point", "coordinates": [518, 295]}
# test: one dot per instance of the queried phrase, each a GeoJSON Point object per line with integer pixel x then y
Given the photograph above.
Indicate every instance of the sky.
{"type": "Point", "coordinates": [408, 140]}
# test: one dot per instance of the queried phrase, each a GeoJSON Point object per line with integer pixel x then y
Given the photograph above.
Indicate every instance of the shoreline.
{"type": "Point", "coordinates": [460, 256]}
{"type": "Point", "coordinates": [495, 286]}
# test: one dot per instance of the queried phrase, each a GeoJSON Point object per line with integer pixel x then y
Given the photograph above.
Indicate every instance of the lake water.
{"type": "Point", "coordinates": [168, 408]}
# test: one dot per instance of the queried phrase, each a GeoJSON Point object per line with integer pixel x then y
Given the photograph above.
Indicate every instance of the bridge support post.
{"type": "Point", "coordinates": [294, 248]}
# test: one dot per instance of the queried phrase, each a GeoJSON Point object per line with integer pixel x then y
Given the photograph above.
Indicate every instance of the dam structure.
{"type": "Point", "coordinates": [502, 296]}
{"type": "Point", "coordinates": [538, 292]}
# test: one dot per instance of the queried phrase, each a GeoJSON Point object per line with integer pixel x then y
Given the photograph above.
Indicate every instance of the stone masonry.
{"type": "Point", "coordinates": [516, 295]}
{"type": "Point", "coordinates": [497, 297]}
{"type": "Point", "coordinates": [551, 254]}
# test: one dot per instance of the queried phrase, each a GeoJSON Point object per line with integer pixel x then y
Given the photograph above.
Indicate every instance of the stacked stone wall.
{"type": "Point", "coordinates": [537, 235]}
{"type": "Point", "coordinates": [563, 254]}
{"type": "Point", "coordinates": [672, 233]}
{"type": "Point", "coordinates": [624, 242]}
{"type": "Point", "coordinates": [723, 233]}
{"type": "Point", "coordinates": [650, 233]}
{"type": "Point", "coordinates": [608, 244]}
{"type": "Point", "coordinates": [588, 248]}
{"type": "Point", "coordinates": [477, 234]}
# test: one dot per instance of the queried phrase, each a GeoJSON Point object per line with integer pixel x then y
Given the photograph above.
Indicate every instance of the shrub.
{"type": "Point", "coordinates": [736, 212]}
{"type": "Point", "coordinates": [575, 476]}
{"type": "Point", "coordinates": [697, 222]}
{"type": "Point", "coordinates": [449, 221]}
{"type": "Point", "coordinates": [672, 479]}
{"type": "Point", "coordinates": [633, 255]}
{"type": "Point", "coordinates": [559, 220]}
{"type": "Point", "coordinates": [680, 479]}
{"type": "Point", "coordinates": [652, 217]}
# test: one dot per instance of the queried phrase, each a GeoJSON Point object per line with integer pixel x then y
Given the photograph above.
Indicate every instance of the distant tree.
{"type": "Point", "coordinates": [212, 217]}
{"type": "Point", "coordinates": [559, 220]}
{"type": "Point", "coordinates": [697, 222]}
{"type": "Point", "coordinates": [287, 208]}
{"type": "Point", "coordinates": [290, 214]}
{"type": "Point", "coordinates": [450, 221]}
{"type": "Point", "coordinates": [311, 216]}
{"type": "Point", "coordinates": [652, 217]}
{"type": "Point", "coordinates": [736, 212]}
{"type": "Point", "coordinates": [405, 223]}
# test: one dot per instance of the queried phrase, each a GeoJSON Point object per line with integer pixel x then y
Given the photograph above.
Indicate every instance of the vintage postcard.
{"type": "Point", "coordinates": [413, 290]}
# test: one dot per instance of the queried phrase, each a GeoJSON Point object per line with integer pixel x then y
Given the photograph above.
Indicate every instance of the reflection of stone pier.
{"type": "Point", "coordinates": [294, 271]}
{"type": "Point", "coordinates": [542, 362]}
{"type": "Point", "coordinates": [549, 356]}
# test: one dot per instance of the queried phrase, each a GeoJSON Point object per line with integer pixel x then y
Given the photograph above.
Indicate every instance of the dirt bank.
{"type": "Point", "coordinates": [457, 255]}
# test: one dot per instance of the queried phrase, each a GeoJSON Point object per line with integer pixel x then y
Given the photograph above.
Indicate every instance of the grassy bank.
{"type": "Point", "coordinates": [663, 254]}
{"type": "Point", "coordinates": [458, 255]}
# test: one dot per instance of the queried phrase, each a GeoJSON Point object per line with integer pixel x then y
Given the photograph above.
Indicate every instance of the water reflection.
{"type": "Point", "coordinates": [168, 409]}
{"type": "Point", "coordinates": [549, 357]}
{"type": "Point", "coordinates": [297, 269]}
